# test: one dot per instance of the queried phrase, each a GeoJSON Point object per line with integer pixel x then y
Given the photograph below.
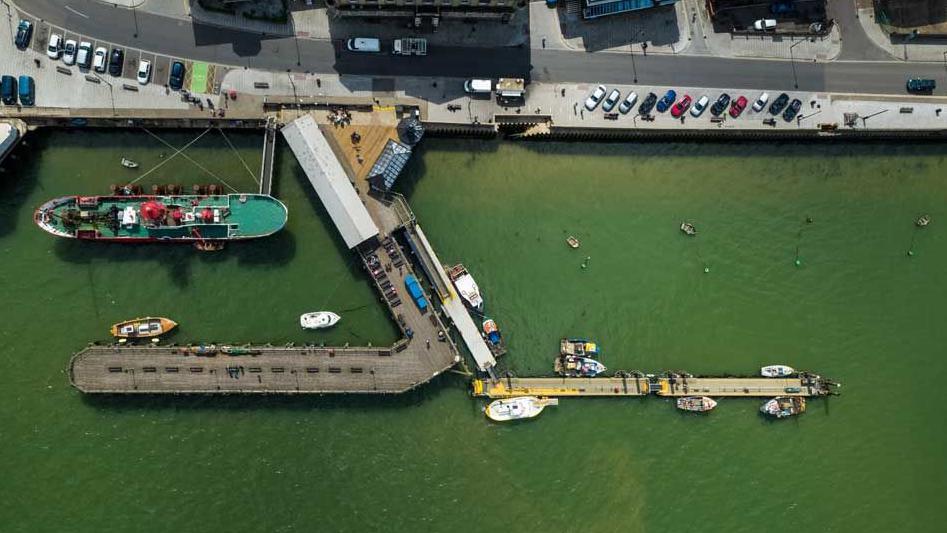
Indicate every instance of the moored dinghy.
{"type": "Point", "coordinates": [783, 406]}
{"type": "Point", "coordinates": [143, 327]}
{"type": "Point", "coordinates": [319, 320]}
{"type": "Point", "coordinates": [518, 408]}
{"type": "Point", "coordinates": [696, 404]}
{"type": "Point", "coordinates": [777, 371]}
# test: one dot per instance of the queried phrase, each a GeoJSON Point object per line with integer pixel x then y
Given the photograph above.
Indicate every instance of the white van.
{"type": "Point", "coordinates": [364, 44]}
{"type": "Point", "coordinates": [478, 86]}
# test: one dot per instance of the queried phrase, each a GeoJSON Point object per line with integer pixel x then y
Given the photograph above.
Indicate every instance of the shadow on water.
{"type": "Point", "coordinates": [18, 179]}
{"type": "Point", "coordinates": [256, 402]}
{"type": "Point", "coordinates": [177, 259]}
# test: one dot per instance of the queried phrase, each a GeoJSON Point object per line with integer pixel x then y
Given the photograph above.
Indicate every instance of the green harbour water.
{"type": "Point", "coordinates": [857, 308]}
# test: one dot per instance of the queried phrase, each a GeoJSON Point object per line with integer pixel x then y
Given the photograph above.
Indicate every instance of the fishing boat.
{"type": "Point", "coordinates": [777, 371]}
{"type": "Point", "coordinates": [491, 332]}
{"type": "Point", "coordinates": [782, 406]}
{"type": "Point", "coordinates": [696, 404]}
{"type": "Point", "coordinates": [466, 286]}
{"type": "Point", "coordinates": [518, 408]}
{"type": "Point", "coordinates": [572, 242]}
{"type": "Point", "coordinates": [580, 347]}
{"type": "Point", "coordinates": [575, 366]}
{"type": "Point", "coordinates": [183, 218]}
{"type": "Point", "coordinates": [319, 320]}
{"type": "Point", "coordinates": [128, 163]}
{"type": "Point", "coordinates": [143, 327]}
{"type": "Point", "coordinates": [688, 228]}
{"type": "Point", "coordinates": [206, 350]}
{"type": "Point", "coordinates": [923, 221]}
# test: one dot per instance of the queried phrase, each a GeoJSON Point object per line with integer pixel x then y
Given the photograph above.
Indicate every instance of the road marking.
{"type": "Point", "coordinates": [83, 15]}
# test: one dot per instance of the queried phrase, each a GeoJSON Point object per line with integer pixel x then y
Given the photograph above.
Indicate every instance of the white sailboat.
{"type": "Point", "coordinates": [517, 408]}
{"type": "Point", "coordinates": [777, 371]}
{"type": "Point", "coordinates": [319, 320]}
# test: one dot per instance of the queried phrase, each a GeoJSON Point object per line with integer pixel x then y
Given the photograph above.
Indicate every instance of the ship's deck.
{"type": "Point", "coordinates": [235, 216]}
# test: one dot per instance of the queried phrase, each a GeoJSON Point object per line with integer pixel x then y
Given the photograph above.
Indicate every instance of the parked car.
{"type": "Point", "coordinates": [69, 52]}
{"type": "Point", "coordinates": [920, 85]}
{"type": "Point", "coordinates": [364, 44]}
{"type": "Point", "coordinates": [612, 99]}
{"type": "Point", "coordinates": [8, 90]}
{"type": "Point", "coordinates": [24, 30]}
{"type": "Point", "coordinates": [628, 102]}
{"type": "Point", "coordinates": [738, 106]}
{"type": "Point", "coordinates": [648, 104]}
{"type": "Point", "coordinates": [790, 112]}
{"type": "Point", "coordinates": [681, 106]}
{"type": "Point", "coordinates": [84, 56]}
{"type": "Point", "coordinates": [27, 91]}
{"type": "Point", "coordinates": [100, 61]}
{"type": "Point", "coordinates": [778, 104]}
{"type": "Point", "coordinates": [700, 106]}
{"type": "Point", "coordinates": [176, 79]}
{"type": "Point", "coordinates": [116, 62]}
{"type": "Point", "coordinates": [720, 105]}
{"type": "Point", "coordinates": [665, 102]}
{"type": "Point", "coordinates": [54, 46]}
{"type": "Point", "coordinates": [760, 102]}
{"type": "Point", "coordinates": [144, 71]}
{"type": "Point", "coordinates": [593, 100]}
{"type": "Point", "coordinates": [765, 25]}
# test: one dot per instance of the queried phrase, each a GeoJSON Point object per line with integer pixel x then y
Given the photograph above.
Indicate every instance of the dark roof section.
{"type": "Point", "coordinates": [410, 131]}
{"type": "Point", "coordinates": [389, 165]}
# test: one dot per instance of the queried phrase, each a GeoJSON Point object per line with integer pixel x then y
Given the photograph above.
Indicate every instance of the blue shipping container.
{"type": "Point", "coordinates": [411, 283]}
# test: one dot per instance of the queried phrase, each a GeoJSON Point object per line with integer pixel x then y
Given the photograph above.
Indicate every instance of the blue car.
{"type": "Point", "coordinates": [176, 79]}
{"type": "Point", "coordinates": [27, 91]}
{"type": "Point", "coordinates": [666, 101]}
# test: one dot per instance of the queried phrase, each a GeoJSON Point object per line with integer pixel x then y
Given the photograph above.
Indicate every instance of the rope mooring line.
{"type": "Point", "coordinates": [185, 156]}
{"type": "Point", "coordinates": [236, 153]}
{"type": "Point", "coordinates": [175, 154]}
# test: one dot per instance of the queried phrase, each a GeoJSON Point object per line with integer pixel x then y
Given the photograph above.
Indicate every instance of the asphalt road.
{"type": "Point", "coordinates": [173, 37]}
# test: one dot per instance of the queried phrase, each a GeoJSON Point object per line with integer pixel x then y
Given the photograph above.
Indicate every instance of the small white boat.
{"type": "Point", "coordinates": [777, 371]}
{"type": "Point", "coordinates": [128, 163]}
{"type": "Point", "coordinates": [466, 286]}
{"type": "Point", "coordinates": [518, 408]}
{"type": "Point", "coordinates": [319, 320]}
{"type": "Point", "coordinates": [696, 404]}
{"type": "Point", "coordinates": [688, 228]}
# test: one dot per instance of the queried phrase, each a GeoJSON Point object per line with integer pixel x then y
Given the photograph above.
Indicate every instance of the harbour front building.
{"type": "Point", "coordinates": [601, 8]}
{"type": "Point", "coordinates": [501, 10]}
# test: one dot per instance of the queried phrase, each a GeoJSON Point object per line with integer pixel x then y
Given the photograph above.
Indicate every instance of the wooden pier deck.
{"type": "Point", "coordinates": [272, 370]}
{"type": "Point", "coordinates": [672, 386]}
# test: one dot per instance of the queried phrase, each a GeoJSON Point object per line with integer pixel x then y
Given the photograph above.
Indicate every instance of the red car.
{"type": "Point", "coordinates": [737, 106]}
{"type": "Point", "coordinates": [681, 106]}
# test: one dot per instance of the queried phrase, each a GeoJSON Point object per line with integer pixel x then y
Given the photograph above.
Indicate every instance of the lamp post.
{"type": "Point", "coordinates": [631, 49]}
{"type": "Point", "coordinates": [135, 16]}
{"type": "Point", "coordinates": [111, 94]}
{"type": "Point", "coordinates": [792, 61]}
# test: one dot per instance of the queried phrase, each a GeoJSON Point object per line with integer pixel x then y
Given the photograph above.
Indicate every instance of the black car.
{"type": "Point", "coordinates": [648, 104]}
{"type": "Point", "coordinates": [24, 30]}
{"type": "Point", "coordinates": [720, 105]}
{"type": "Point", "coordinates": [778, 104]}
{"type": "Point", "coordinates": [8, 90]}
{"type": "Point", "coordinates": [790, 112]}
{"type": "Point", "coordinates": [116, 61]}
{"type": "Point", "coordinates": [176, 79]}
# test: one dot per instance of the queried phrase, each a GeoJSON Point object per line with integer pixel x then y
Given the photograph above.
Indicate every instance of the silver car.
{"type": "Point", "coordinates": [612, 99]}
{"type": "Point", "coordinates": [700, 105]}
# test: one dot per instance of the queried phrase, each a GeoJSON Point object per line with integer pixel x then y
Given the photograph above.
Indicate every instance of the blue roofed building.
{"type": "Point", "coordinates": [600, 8]}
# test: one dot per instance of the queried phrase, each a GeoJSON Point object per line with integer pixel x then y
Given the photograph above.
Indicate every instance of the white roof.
{"type": "Point", "coordinates": [329, 180]}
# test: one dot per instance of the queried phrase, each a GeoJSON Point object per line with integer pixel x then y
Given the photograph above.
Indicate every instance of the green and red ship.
{"type": "Point", "coordinates": [205, 219]}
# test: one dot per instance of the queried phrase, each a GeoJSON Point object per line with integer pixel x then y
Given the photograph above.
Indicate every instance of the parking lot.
{"type": "Point", "coordinates": [161, 65]}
